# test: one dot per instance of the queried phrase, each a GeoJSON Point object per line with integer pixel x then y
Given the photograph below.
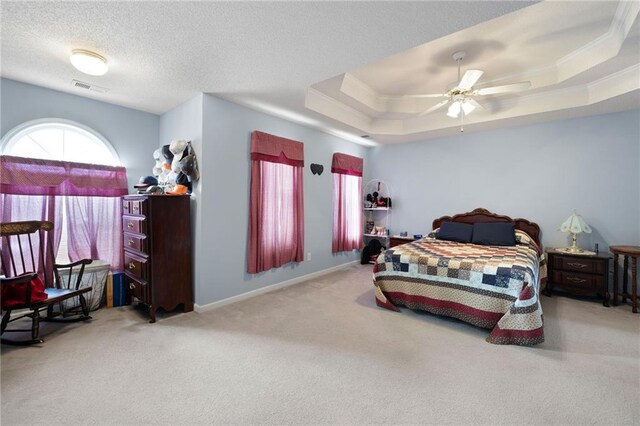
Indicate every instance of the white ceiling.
{"type": "Point", "coordinates": [267, 54]}
{"type": "Point", "coordinates": [577, 55]}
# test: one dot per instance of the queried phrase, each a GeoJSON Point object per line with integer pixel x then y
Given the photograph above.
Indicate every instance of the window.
{"type": "Point", "coordinates": [60, 140]}
{"type": "Point", "coordinates": [74, 145]}
{"type": "Point", "coordinates": [347, 202]}
{"type": "Point", "coordinates": [276, 222]}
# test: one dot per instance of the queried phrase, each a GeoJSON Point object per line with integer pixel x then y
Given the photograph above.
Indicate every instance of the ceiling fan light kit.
{"type": "Point", "coordinates": [461, 97]}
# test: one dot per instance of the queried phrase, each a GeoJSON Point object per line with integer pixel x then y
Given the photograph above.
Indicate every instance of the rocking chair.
{"type": "Point", "coordinates": [27, 253]}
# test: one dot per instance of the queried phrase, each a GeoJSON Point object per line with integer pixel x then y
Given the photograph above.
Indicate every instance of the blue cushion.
{"type": "Point", "coordinates": [494, 234]}
{"type": "Point", "coordinates": [455, 231]}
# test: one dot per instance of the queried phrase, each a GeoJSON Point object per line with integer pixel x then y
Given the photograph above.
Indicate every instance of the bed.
{"type": "Point", "coordinates": [493, 287]}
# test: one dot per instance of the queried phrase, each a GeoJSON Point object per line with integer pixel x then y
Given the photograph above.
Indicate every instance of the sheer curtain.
{"type": "Point", "coordinates": [347, 202]}
{"type": "Point", "coordinates": [276, 217]}
{"type": "Point", "coordinates": [95, 229]}
{"type": "Point", "coordinates": [33, 189]}
{"type": "Point", "coordinates": [18, 208]}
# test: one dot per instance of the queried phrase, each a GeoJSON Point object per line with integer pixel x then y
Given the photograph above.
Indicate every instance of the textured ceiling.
{"type": "Point", "coordinates": [268, 55]}
{"type": "Point", "coordinates": [261, 54]}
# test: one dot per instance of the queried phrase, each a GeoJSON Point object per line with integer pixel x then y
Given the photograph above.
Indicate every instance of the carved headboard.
{"type": "Point", "coordinates": [483, 216]}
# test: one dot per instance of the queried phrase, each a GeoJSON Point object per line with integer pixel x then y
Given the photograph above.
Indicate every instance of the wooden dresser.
{"type": "Point", "coordinates": [157, 251]}
{"type": "Point", "coordinates": [580, 274]}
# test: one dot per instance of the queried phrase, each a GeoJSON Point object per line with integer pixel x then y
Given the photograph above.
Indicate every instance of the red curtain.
{"type": "Point", "coordinates": [94, 228]}
{"type": "Point", "coordinates": [347, 202]}
{"type": "Point", "coordinates": [276, 216]}
{"type": "Point", "coordinates": [33, 176]}
{"type": "Point", "coordinates": [18, 208]}
{"type": "Point", "coordinates": [33, 189]}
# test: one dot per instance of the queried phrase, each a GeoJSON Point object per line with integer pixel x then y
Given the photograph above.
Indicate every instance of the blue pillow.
{"type": "Point", "coordinates": [455, 231]}
{"type": "Point", "coordinates": [494, 234]}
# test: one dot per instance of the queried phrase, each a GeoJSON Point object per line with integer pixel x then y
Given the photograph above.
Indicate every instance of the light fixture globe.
{"type": "Point", "coordinates": [88, 62]}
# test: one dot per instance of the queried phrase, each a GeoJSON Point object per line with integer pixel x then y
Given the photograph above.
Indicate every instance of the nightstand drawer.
{"type": "Point", "coordinates": [578, 281]}
{"type": "Point", "coordinates": [587, 266]}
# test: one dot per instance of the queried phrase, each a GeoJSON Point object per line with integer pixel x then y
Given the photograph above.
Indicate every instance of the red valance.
{"type": "Point", "coordinates": [346, 164]}
{"type": "Point", "coordinates": [275, 149]}
{"type": "Point", "coordinates": [32, 176]}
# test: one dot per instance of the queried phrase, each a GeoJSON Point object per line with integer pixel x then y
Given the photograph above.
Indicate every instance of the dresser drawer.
{"type": "Point", "coordinates": [579, 282]}
{"type": "Point", "coordinates": [138, 207]}
{"type": "Point", "coordinates": [587, 266]}
{"type": "Point", "coordinates": [125, 206]}
{"type": "Point", "coordinates": [137, 288]}
{"type": "Point", "coordinates": [134, 224]}
{"type": "Point", "coordinates": [136, 266]}
{"type": "Point", "coordinates": [136, 242]}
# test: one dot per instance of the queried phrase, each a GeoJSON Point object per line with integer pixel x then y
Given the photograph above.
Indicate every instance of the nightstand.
{"type": "Point", "coordinates": [578, 274]}
{"type": "Point", "coordinates": [396, 240]}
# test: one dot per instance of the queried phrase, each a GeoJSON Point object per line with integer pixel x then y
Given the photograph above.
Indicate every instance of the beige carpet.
{"type": "Point", "coordinates": [321, 352]}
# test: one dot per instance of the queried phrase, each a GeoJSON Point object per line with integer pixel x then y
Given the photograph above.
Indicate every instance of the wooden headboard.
{"type": "Point", "coordinates": [483, 216]}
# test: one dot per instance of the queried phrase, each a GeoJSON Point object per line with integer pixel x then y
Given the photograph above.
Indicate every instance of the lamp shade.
{"type": "Point", "coordinates": [575, 224]}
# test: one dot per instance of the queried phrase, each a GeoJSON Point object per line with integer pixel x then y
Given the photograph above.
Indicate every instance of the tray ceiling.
{"type": "Point", "coordinates": [575, 54]}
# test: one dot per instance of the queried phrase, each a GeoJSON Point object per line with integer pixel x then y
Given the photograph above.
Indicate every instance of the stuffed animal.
{"type": "Point", "coordinates": [189, 164]}
{"type": "Point", "coordinates": [163, 158]}
{"type": "Point", "coordinates": [157, 169]}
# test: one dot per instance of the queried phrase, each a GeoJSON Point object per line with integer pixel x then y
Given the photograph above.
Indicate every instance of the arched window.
{"type": "Point", "coordinates": [88, 225]}
{"type": "Point", "coordinates": [57, 139]}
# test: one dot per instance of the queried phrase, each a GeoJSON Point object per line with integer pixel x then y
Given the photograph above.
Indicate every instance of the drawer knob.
{"type": "Point", "coordinates": [576, 280]}
{"type": "Point", "coordinates": [132, 286]}
{"type": "Point", "coordinates": [136, 207]}
{"type": "Point", "coordinates": [130, 242]}
{"type": "Point", "coordinates": [130, 225]}
{"type": "Point", "coordinates": [577, 265]}
{"type": "Point", "coordinates": [132, 265]}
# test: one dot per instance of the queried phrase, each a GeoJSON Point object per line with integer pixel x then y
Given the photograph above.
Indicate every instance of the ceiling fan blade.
{"type": "Point", "coordinates": [434, 95]}
{"type": "Point", "coordinates": [435, 107]}
{"type": "Point", "coordinates": [515, 87]}
{"type": "Point", "coordinates": [469, 79]}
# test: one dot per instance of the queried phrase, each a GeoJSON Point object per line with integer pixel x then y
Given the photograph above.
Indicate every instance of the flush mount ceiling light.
{"type": "Point", "coordinates": [88, 62]}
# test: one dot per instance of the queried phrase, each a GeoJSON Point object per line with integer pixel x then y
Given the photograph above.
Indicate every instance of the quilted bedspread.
{"type": "Point", "coordinates": [493, 287]}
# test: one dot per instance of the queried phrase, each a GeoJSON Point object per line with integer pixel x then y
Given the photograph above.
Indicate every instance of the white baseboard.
{"type": "Point", "coordinates": [267, 289]}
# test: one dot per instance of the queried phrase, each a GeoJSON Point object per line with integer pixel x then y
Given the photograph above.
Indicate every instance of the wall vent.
{"type": "Point", "coordinates": [87, 86]}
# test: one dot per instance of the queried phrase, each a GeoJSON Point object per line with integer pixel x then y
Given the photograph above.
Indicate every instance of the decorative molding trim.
{"type": "Point", "coordinates": [269, 288]}
{"type": "Point", "coordinates": [361, 92]}
{"type": "Point", "coordinates": [321, 103]}
{"type": "Point", "coordinates": [595, 52]}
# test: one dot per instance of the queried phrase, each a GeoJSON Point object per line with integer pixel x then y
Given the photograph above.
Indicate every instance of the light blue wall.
{"type": "Point", "coordinates": [185, 122]}
{"type": "Point", "coordinates": [540, 172]}
{"type": "Point", "coordinates": [226, 177]}
{"type": "Point", "coordinates": [133, 133]}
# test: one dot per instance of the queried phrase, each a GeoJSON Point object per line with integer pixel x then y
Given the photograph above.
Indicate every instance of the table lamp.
{"type": "Point", "coordinates": [575, 224]}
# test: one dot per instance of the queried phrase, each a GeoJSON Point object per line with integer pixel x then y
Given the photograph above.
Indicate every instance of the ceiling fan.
{"type": "Point", "coordinates": [461, 96]}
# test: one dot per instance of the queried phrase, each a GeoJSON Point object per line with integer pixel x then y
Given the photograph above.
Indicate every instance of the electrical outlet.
{"type": "Point", "coordinates": [309, 256]}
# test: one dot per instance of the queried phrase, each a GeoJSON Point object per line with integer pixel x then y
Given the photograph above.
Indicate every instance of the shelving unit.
{"type": "Point", "coordinates": [380, 216]}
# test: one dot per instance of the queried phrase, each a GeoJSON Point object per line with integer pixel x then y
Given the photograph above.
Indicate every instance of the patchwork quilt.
{"type": "Point", "coordinates": [494, 287]}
